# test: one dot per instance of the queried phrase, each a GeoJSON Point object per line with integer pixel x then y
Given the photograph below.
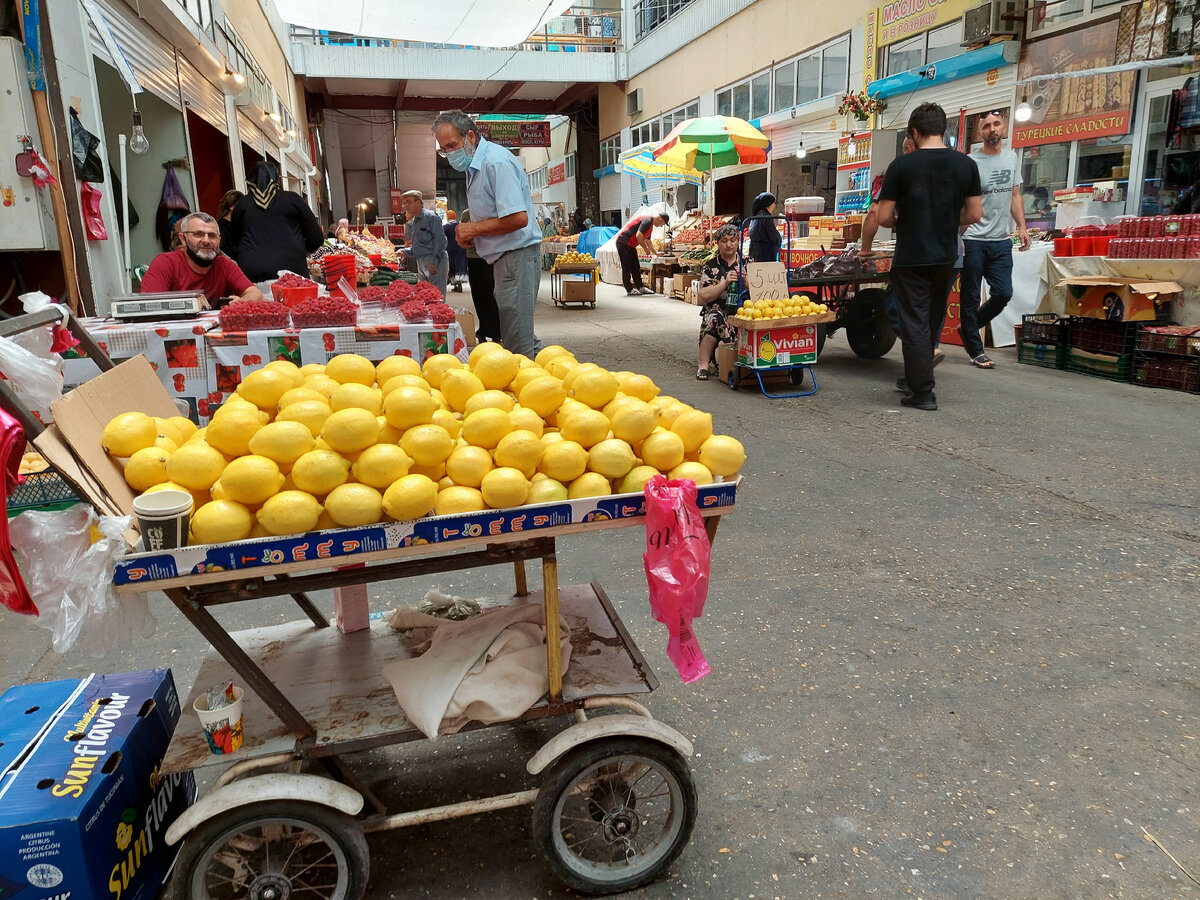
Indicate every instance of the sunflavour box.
{"type": "Point", "coordinates": [84, 808]}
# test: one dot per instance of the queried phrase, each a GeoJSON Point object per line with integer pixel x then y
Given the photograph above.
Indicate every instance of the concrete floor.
{"type": "Point", "coordinates": [954, 653]}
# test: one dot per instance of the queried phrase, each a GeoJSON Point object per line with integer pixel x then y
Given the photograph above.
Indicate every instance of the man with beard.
{"type": "Point", "coordinates": [199, 265]}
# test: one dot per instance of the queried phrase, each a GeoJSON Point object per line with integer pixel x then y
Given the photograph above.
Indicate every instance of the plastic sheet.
{"type": "Point", "coordinates": [677, 560]}
{"type": "Point", "coordinates": [33, 371]}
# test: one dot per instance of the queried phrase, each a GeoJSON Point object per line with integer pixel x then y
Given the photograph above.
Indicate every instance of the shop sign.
{"type": "Point", "coordinates": [904, 18]}
{"type": "Point", "coordinates": [869, 48]}
{"type": "Point", "coordinates": [397, 201]}
{"type": "Point", "coordinates": [556, 174]}
{"type": "Point", "coordinates": [31, 19]}
{"type": "Point", "coordinates": [1073, 109]}
{"type": "Point", "coordinates": [517, 134]}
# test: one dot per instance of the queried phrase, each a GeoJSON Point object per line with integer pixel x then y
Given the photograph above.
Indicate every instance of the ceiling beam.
{"type": "Point", "coordinates": [569, 98]}
{"type": "Point", "coordinates": [401, 87]}
{"type": "Point", "coordinates": [503, 95]}
{"type": "Point", "coordinates": [425, 104]}
{"type": "Point", "coordinates": [322, 85]}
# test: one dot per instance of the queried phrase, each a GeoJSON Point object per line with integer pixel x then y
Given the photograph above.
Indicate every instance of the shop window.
{"type": "Point", "coordinates": [571, 166]}
{"type": "Point", "coordinates": [808, 79]}
{"type": "Point", "coordinates": [785, 86]}
{"type": "Point", "coordinates": [693, 111]}
{"type": "Point", "coordinates": [1168, 172]}
{"type": "Point", "coordinates": [944, 42]}
{"type": "Point", "coordinates": [928, 47]}
{"type": "Point", "coordinates": [1044, 171]}
{"type": "Point", "coordinates": [610, 150]}
{"type": "Point", "coordinates": [835, 68]}
{"type": "Point", "coordinates": [725, 103]}
{"type": "Point", "coordinates": [760, 92]}
{"type": "Point", "coordinates": [904, 55]}
{"type": "Point", "coordinates": [741, 101]}
{"type": "Point", "coordinates": [1102, 160]}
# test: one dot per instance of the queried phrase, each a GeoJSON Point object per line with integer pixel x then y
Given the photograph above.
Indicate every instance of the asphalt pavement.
{"type": "Point", "coordinates": [954, 653]}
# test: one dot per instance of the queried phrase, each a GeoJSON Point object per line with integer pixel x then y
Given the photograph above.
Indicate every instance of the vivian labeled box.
{"type": "Point", "coordinates": [84, 808]}
{"type": "Point", "coordinates": [1118, 299]}
{"type": "Point", "coordinates": [788, 345]}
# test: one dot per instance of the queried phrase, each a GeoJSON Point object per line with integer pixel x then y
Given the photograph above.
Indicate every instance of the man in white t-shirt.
{"type": "Point", "coordinates": [987, 245]}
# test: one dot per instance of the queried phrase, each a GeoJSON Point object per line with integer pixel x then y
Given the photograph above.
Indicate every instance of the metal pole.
{"type": "Point", "coordinates": [128, 278]}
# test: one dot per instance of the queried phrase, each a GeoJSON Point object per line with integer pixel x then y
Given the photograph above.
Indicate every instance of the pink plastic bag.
{"type": "Point", "coordinates": [677, 563]}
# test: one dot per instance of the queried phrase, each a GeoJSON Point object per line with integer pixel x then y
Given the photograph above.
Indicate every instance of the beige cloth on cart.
{"type": "Point", "coordinates": [489, 668]}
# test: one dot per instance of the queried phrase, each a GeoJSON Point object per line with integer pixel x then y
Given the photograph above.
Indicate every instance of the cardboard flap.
{"type": "Point", "coordinates": [1135, 284]}
{"type": "Point", "coordinates": [82, 414]}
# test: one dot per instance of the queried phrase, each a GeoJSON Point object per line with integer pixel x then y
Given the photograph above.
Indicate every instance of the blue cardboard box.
{"type": "Point", "coordinates": [83, 805]}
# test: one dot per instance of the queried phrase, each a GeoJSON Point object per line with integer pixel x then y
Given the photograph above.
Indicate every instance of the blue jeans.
{"type": "Point", "coordinates": [518, 275]}
{"type": "Point", "coordinates": [983, 259]}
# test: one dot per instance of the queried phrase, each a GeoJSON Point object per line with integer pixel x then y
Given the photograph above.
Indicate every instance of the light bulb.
{"type": "Point", "coordinates": [801, 152]}
{"type": "Point", "coordinates": [137, 139]}
{"type": "Point", "coordinates": [1024, 111]}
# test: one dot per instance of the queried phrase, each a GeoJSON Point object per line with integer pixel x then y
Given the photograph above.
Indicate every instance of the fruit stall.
{"type": "Point", "coordinates": [573, 278]}
{"type": "Point", "coordinates": [348, 472]}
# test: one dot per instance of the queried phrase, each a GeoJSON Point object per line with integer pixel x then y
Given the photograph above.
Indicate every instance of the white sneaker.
{"type": "Point", "coordinates": [646, 290]}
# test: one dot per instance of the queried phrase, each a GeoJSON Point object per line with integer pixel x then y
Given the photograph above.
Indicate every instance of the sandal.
{"type": "Point", "coordinates": [702, 374]}
{"type": "Point", "coordinates": [982, 362]}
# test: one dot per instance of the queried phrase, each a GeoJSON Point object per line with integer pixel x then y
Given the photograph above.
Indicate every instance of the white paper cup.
{"type": "Point", "coordinates": [222, 727]}
{"type": "Point", "coordinates": [163, 519]}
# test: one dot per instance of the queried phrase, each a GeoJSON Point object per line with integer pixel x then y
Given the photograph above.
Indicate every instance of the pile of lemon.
{"type": "Point", "coordinates": [794, 305]}
{"type": "Point", "coordinates": [574, 259]}
{"type": "Point", "coordinates": [351, 443]}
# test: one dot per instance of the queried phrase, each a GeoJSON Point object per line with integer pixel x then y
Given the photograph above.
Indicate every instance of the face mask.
{"type": "Point", "coordinates": [199, 260]}
{"type": "Point", "coordinates": [460, 158]}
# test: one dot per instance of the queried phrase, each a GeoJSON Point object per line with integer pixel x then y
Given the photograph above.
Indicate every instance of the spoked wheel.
{"type": "Point", "coordinates": [275, 850]}
{"type": "Point", "coordinates": [613, 815]}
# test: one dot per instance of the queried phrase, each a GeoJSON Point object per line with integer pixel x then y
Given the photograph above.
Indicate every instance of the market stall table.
{"type": "Point", "coordinates": [1185, 308]}
{"type": "Point", "coordinates": [661, 268]}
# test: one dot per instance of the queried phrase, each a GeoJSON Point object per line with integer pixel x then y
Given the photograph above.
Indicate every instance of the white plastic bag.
{"type": "Point", "coordinates": [33, 371]}
{"type": "Point", "coordinates": [70, 578]}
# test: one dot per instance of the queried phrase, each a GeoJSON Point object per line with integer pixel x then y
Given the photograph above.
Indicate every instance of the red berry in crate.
{"type": "Point", "coordinates": [370, 294]}
{"type": "Point", "coordinates": [253, 315]}
{"type": "Point", "coordinates": [325, 312]}
{"type": "Point", "coordinates": [291, 279]}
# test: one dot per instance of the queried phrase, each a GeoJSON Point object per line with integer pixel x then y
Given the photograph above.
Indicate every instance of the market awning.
{"type": "Point", "coordinates": [475, 23]}
{"type": "Point", "coordinates": [973, 62]}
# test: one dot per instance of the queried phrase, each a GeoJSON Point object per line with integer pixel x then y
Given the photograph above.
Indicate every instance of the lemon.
{"type": "Point", "coordinates": [166, 429]}
{"type": "Point", "coordinates": [489, 399]}
{"type": "Point", "coordinates": [525, 376]}
{"type": "Point", "coordinates": [543, 395]}
{"type": "Point", "coordinates": [403, 380]}
{"type": "Point", "coordinates": [221, 520]}
{"type": "Point", "coordinates": [162, 442]}
{"type": "Point", "coordinates": [259, 532]}
{"type": "Point", "coordinates": [443, 483]}
{"type": "Point", "coordinates": [639, 386]}
{"type": "Point", "coordinates": [485, 427]}
{"type": "Point", "coordinates": [619, 399]}
{"type": "Point", "coordinates": [410, 497]}
{"type": "Point", "coordinates": [697, 472]}
{"type": "Point", "coordinates": [195, 465]}
{"type": "Point", "coordinates": [350, 368]}
{"type": "Point", "coordinates": [669, 409]}
{"type": "Point", "coordinates": [634, 420]}
{"type": "Point", "coordinates": [546, 490]}
{"type": "Point", "coordinates": [399, 364]}
{"type": "Point", "coordinates": [301, 395]}
{"type": "Point", "coordinates": [519, 450]}
{"type": "Point", "coordinates": [497, 369]}
{"type": "Point", "coordinates": [594, 386]}
{"type": "Point", "coordinates": [439, 398]}
{"type": "Point", "coordinates": [437, 365]}
{"type": "Point", "coordinates": [353, 395]}
{"type": "Point", "coordinates": [569, 406]}
{"type": "Point", "coordinates": [504, 487]}
{"type": "Point", "coordinates": [527, 420]}
{"type": "Point", "coordinates": [428, 445]}
{"type": "Point", "coordinates": [290, 512]}
{"type": "Point", "coordinates": [230, 430]}
{"type": "Point", "coordinates": [551, 436]}
{"type": "Point", "coordinates": [289, 369]}
{"type": "Point", "coordinates": [146, 468]}
{"type": "Point", "coordinates": [563, 460]}
{"type": "Point", "coordinates": [184, 426]}
{"type": "Point", "coordinates": [458, 499]}
{"type": "Point", "coordinates": [635, 481]}
{"type": "Point", "coordinates": [562, 366]}
{"type": "Point", "coordinates": [167, 486]}
{"type": "Point", "coordinates": [481, 350]}
{"type": "Point", "coordinates": [407, 406]}
{"type": "Point", "coordinates": [612, 458]}
{"type": "Point", "coordinates": [551, 352]}
{"type": "Point", "coordinates": [310, 369]}
{"type": "Point", "coordinates": [388, 433]}
{"type": "Point", "coordinates": [322, 384]}
{"type": "Point", "coordinates": [663, 450]}
{"type": "Point", "coordinates": [352, 429]}
{"type": "Point", "coordinates": [319, 471]}
{"type": "Point", "coordinates": [251, 479]}
{"type": "Point", "coordinates": [694, 427]}
{"type": "Point", "coordinates": [264, 388]}
{"type": "Point", "coordinates": [309, 413]}
{"type": "Point", "coordinates": [589, 484]}
{"type": "Point", "coordinates": [284, 442]}
{"type": "Point", "coordinates": [354, 504]}
{"type": "Point", "coordinates": [126, 434]}
{"type": "Point", "coordinates": [434, 473]}
{"type": "Point", "coordinates": [467, 465]}
{"type": "Point", "coordinates": [380, 465]}
{"type": "Point", "coordinates": [233, 401]}
{"type": "Point", "coordinates": [449, 421]}
{"type": "Point", "coordinates": [458, 386]}
{"type": "Point", "coordinates": [722, 455]}
{"type": "Point", "coordinates": [586, 427]}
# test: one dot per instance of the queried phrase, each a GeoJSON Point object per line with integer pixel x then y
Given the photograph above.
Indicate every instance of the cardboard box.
{"type": "Point", "coordinates": [466, 321]}
{"type": "Point", "coordinates": [1117, 299]}
{"type": "Point", "coordinates": [690, 295]}
{"type": "Point", "coordinates": [578, 290]}
{"type": "Point", "coordinates": [786, 346]}
{"type": "Point", "coordinates": [726, 357]}
{"type": "Point", "coordinates": [83, 807]}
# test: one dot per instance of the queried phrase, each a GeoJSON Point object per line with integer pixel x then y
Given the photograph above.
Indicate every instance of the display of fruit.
{"type": "Point", "coordinates": [292, 280]}
{"type": "Point", "coordinates": [253, 315]}
{"type": "Point", "coordinates": [574, 259]}
{"type": "Point", "coordinates": [329, 443]}
{"type": "Point", "coordinates": [325, 312]}
{"type": "Point", "coordinates": [796, 305]}
{"type": "Point", "coordinates": [372, 294]}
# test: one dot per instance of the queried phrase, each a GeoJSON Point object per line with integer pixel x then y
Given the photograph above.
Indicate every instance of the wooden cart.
{"type": "Point", "coordinates": [565, 293]}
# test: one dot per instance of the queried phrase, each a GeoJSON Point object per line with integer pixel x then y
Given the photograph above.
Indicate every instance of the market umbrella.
{"type": "Point", "coordinates": [640, 161]}
{"type": "Point", "coordinates": [712, 141]}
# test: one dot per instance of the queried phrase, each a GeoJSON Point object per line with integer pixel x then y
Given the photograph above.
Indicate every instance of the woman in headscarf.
{"type": "Point", "coordinates": [764, 236]}
{"type": "Point", "coordinates": [458, 255]}
{"type": "Point", "coordinates": [224, 213]}
{"type": "Point", "coordinates": [272, 230]}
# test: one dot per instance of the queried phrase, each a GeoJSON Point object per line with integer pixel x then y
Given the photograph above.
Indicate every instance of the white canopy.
{"type": "Point", "coordinates": [481, 23]}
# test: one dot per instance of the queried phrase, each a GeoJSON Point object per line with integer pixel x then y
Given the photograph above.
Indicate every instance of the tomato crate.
{"type": "Point", "coordinates": [1099, 365]}
{"type": "Point", "coordinates": [1036, 353]}
{"type": "Point", "coordinates": [1171, 373]}
{"type": "Point", "coordinates": [1103, 336]}
{"type": "Point", "coordinates": [1044, 328]}
{"type": "Point", "coordinates": [1173, 340]}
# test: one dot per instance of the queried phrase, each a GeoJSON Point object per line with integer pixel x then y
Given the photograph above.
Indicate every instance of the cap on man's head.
{"type": "Point", "coordinates": [416, 195]}
{"type": "Point", "coordinates": [665, 217]}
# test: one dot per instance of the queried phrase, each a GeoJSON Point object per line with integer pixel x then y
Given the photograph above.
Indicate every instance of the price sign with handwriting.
{"type": "Point", "coordinates": [767, 281]}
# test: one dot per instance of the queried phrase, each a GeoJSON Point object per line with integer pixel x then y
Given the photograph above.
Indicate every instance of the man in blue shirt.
{"type": "Point", "coordinates": [428, 240]}
{"type": "Point", "coordinates": [502, 229]}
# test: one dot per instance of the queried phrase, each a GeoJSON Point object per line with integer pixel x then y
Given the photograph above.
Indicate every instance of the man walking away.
{"type": "Point", "coordinates": [637, 233]}
{"type": "Point", "coordinates": [987, 247]}
{"type": "Point", "coordinates": [936, 191]}
{"type": "Point", "coordinates": [428, 240]}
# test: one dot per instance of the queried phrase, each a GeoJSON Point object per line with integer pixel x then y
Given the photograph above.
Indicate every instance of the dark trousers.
{"type": "Point", "coordinates": [983, 259]}
{"type": "Point", "coordinates": [893, 311]}
{"type": "Point", "coordinates": [921, 299]}
{"type": "Point", "coordinates": [483, 286]}
{"type": "Point", "coordinates": [631, 271]}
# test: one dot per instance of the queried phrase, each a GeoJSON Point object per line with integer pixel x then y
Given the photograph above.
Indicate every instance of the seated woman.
{"type": "Point", "coordinates": [764, 236]}
{"type": "Point", "coordinates": [719, 272]}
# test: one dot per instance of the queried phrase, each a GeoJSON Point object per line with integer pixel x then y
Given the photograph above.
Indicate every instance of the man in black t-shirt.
{"type": "Point", "coordinates": [636, 233]}
{"type": "Point", "coordinates": [937, 191]}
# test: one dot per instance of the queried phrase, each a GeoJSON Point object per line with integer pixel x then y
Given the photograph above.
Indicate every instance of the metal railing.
{"type": "Point", "coordinates": [649, 14]}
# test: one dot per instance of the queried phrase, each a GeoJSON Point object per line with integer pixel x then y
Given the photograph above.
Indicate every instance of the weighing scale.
{"type": "Point", "coordinates": [166, 305]}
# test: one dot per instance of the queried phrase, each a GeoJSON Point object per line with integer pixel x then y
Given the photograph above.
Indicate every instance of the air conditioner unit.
{"type": "Point", "coordinates": [997, 18]}
{"type": "Point", "coordinates": [633, 102]}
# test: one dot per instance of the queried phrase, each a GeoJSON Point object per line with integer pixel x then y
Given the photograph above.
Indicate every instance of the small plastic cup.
{"type": "Point", "coordinates": [163, 519]}
{"type": "Point", "coordinates": [1081, 246]}
{"type": "Point", "coordinates": [222, 727]}
{"type": "Point", "coordinates": [1062, 246]}
{"type": "Point", "coordinates": [1100, 244]}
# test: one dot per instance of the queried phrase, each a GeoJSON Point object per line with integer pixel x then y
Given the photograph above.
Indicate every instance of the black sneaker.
{"type": "Point", "coordinates": [929, 404]}
{"type": "Point", "coordinates": [902, 385]}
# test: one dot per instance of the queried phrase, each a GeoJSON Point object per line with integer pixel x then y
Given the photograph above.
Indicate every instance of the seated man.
{"type": "Point", "coordinates": [199, 265]}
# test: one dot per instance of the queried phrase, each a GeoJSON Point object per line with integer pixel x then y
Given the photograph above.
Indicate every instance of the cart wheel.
{"type": "Point", "coordinates": [796, 376]}
{"type": "Point", "coordinates": [277, 848]}
{"type": "Point", "coordinates": [734, 379]}
{"type": "Point", "coordinates": [613, 815]}
{"type": "Point", "coordinates": [871, 336]}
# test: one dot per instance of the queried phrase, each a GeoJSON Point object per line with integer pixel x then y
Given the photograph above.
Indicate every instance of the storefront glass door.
{"type": "Point", "coordinates": [1169, 174]}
